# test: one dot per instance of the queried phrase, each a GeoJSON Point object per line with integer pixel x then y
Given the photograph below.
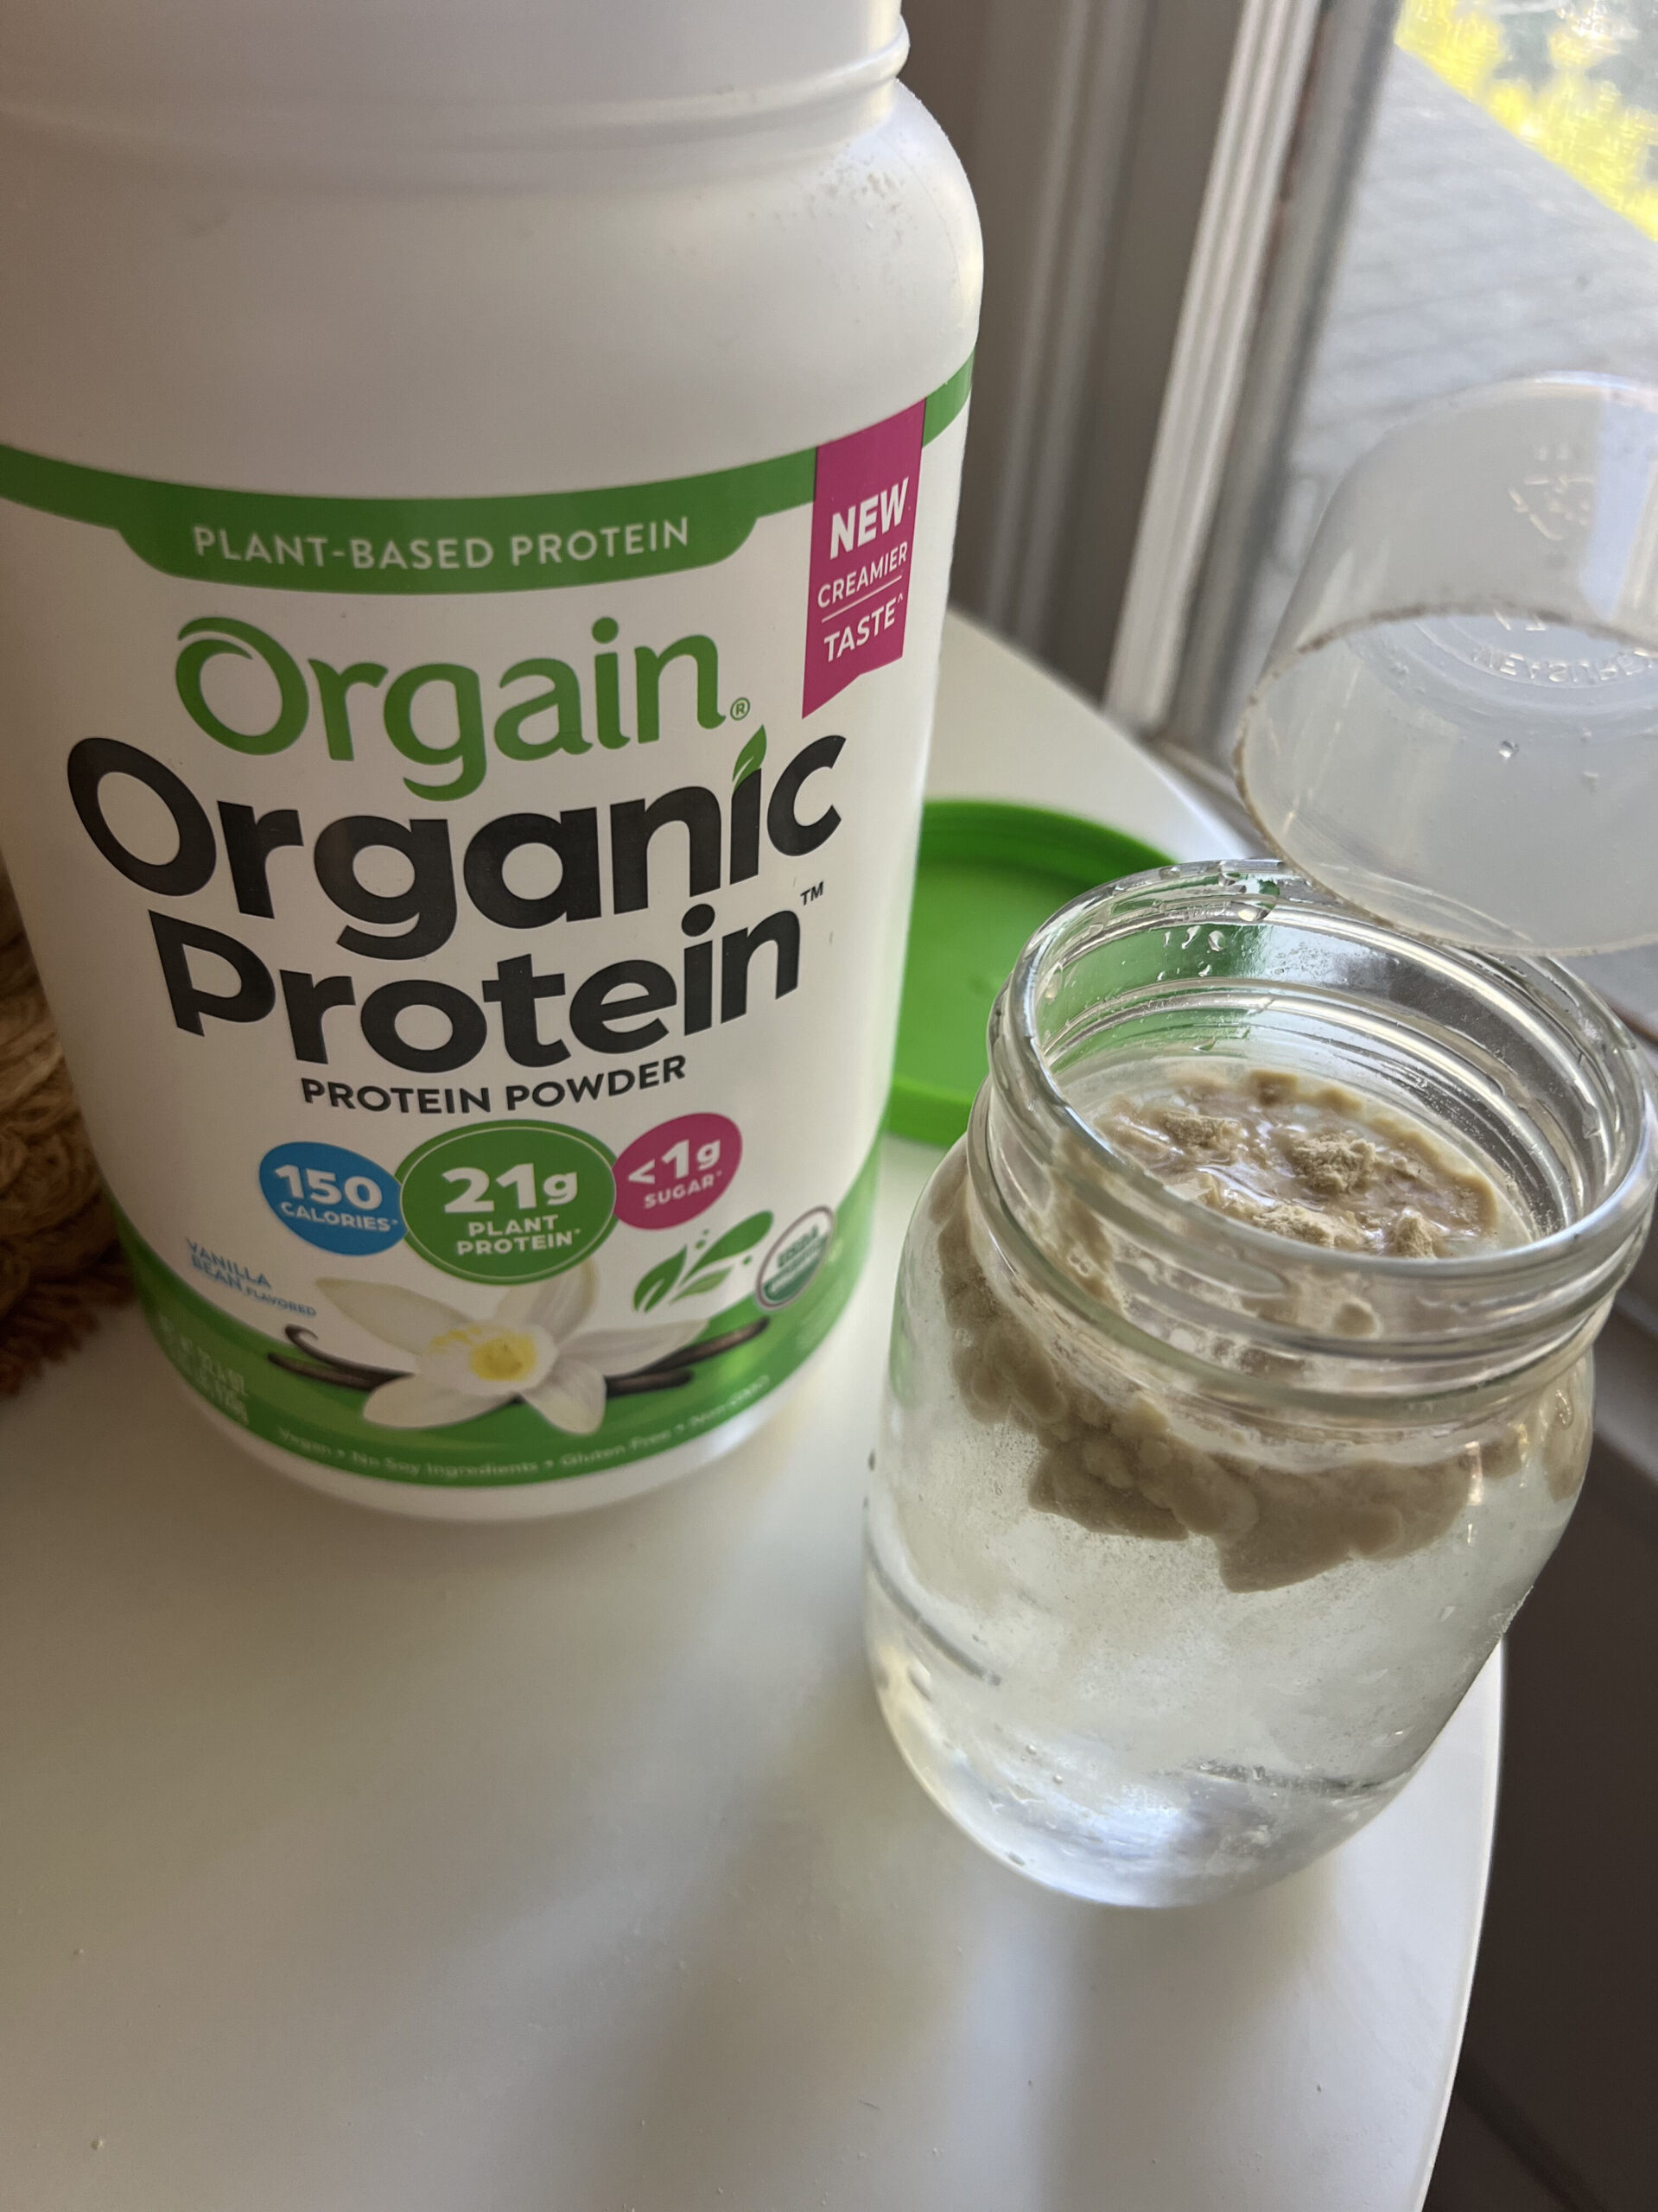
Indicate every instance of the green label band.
{"type": "Point", "coordinates": [526, 541]}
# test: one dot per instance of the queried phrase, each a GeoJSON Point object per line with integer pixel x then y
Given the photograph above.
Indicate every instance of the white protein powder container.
{"type": "Point", "coordinates": [476, 493]}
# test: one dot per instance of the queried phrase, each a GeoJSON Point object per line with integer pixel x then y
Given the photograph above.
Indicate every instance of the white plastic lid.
{"type": "Point", "coordinates": [89, 60]}
{"type": "Point", "coordinates": [1457, 728]}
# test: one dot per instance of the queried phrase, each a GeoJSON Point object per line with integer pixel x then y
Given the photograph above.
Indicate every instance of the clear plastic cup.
{"type": "Point", "coordinates": [1457, 727]}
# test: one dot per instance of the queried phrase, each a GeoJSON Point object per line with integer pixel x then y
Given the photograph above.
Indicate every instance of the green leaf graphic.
{"type": "Point", "coordinates": [655, 1283]}
{"type": "Point", "coordinates": [736, 1240]}
{"type": "Point", "coordinates": [702, 1282]}
{"type": "Point", "coordinates": [751, 756]}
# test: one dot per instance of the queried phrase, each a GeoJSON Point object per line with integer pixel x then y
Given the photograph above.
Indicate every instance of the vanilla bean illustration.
{"type": "Point", "coordinates": [669, 1373]}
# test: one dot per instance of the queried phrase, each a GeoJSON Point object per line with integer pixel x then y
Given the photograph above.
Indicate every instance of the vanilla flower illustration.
{"type": "Point", "coordinates": [530, 1348]}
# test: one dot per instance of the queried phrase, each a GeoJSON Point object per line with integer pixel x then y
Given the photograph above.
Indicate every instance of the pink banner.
{"type": "Point", "coordinates": [863, 528]}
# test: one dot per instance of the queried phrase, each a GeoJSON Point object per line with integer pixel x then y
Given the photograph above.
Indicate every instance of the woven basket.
{"type": "Point", "coordinates": [60, 1264]}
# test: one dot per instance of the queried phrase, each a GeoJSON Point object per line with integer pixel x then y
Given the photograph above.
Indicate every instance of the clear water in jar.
{"type": "Point", "coordinates": [1108, 1711]}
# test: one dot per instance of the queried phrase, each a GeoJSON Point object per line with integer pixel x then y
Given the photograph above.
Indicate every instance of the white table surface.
{"type": "Point", "coordinates": [350, 1864]}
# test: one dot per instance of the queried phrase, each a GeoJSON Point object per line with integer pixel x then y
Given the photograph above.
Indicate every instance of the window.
{"type": "Point", "coordinates": [1503, 221]}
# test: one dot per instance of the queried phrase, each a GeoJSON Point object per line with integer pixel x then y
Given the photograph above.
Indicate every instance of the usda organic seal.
{"type": "Point", "coordinates": [795, 1258]}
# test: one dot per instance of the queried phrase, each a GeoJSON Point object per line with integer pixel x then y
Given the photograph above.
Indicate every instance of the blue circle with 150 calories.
{"type": "Point", "coordinates": [332, 1197]}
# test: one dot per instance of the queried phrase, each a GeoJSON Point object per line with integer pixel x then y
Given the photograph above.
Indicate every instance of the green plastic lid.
{"type": "Point", "coordinates": [987, 876]}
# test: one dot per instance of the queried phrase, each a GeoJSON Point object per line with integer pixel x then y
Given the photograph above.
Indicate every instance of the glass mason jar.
{"type": "Point", "coordinates": [1184, 1539]}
